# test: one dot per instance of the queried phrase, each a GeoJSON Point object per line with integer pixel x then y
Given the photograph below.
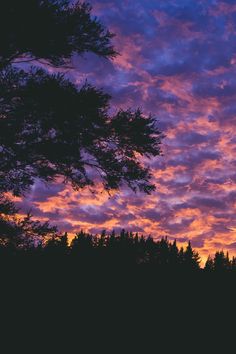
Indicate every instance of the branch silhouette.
{"type": "Point", "coordinates": [49, 127]}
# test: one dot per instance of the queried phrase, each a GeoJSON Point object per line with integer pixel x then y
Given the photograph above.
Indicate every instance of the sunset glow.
{"type": "Point", "coordinates": [178, 62]}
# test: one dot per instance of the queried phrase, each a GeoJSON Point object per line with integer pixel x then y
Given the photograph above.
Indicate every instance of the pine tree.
{"type": "Point", "coordinates": [221, 261]}
{"type": "Point", "coordinates": [174, 255]}
{"type": "Point", "coordinates": [191, 258]}
{"type": "Point", "coordinates": [209, 265]}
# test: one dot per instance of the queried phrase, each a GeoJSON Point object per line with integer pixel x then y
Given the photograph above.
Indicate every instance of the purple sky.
{"type": "Point", "coordinates": [178, 61]}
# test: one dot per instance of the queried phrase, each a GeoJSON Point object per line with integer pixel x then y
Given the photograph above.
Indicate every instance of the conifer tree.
{"type": "Point", "coordinates": [191, 258]}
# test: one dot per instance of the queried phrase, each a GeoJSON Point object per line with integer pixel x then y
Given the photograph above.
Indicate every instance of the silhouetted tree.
{"type": "Point", "coordinates": [174, 258]}
{"type": "Point", "coordinates": [8, 227]}
{"type": "Point", "coordinates": [102, 240]}
{"type": "Point", "coordinates": [181, 257]}
{"type": "Point", "coordinates": [191, 258]}
{"type": "Point", "coordinates": [83, 249]}
{"type": "Point", "coordinates": [21, 232]}
{"type": "Point", "coordinates": [209, 266]}
{"type": "Point", "coordinates": [49, 31]}
{"type": "Point", "coordinates": [221, 261]}
{"type": "Point", "coordinates": [163, 253]}
{"type": "Point", "coordinates": [57, 246]}
{"type": "Point", "coordinates": [48, 126]}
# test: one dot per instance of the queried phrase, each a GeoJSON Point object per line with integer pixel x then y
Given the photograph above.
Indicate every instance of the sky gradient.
{"type": "Point", "coordinates": [178, 61]}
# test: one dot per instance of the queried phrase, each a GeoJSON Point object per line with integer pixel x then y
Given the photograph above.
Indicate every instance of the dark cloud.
{"type": "Point", "coordinates": [41, 192]}
{"type": "Point", "coordinates": [194, 138]}
{"type": "Point", "coordinates": [178, 227]}
{"type": "Point", "coordinates": [208, 203]}
{"type": "Point", "coordinates": [91, 215]}
{"type": "Point", "coordinates": [194, 157]}
{"type": "Point", "coordinates": [152, 215]}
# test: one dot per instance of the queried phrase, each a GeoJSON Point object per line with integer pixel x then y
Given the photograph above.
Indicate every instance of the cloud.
{"type": "Point", "coordinates": [178, 61]}
{"type": "Point", "coordinates": [211, 203]}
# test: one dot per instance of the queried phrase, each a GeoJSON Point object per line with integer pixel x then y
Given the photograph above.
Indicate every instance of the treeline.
{"type": "Point", "coordinates": [125, 249]}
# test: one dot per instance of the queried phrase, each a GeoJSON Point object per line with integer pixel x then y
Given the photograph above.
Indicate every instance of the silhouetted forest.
{"type": "Point", "coordinates": [51, 128]}
{"type": "Point", "coordinates": [122, 251]}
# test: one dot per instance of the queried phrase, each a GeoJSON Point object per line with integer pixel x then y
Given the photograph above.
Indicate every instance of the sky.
{"type": "Point", "coordinates": [177, 61]}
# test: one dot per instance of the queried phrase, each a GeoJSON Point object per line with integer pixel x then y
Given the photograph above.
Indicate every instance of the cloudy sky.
{"type": "Point", "coordinates": [178, 61]}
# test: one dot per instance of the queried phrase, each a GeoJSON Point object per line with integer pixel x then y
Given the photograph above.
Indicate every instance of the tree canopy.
{"type": "Point", "coordinates": [50, 30]}
{"type": "Point", "coordinates": [51, 128]}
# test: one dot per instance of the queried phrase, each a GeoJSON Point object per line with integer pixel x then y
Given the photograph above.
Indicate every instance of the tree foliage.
{"type": "Point", "coordinates": [22, 233]}
{"type": "Point", "coordinates": [51, 128]}
{"type": "Point", "coordinates": [51, 31]}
